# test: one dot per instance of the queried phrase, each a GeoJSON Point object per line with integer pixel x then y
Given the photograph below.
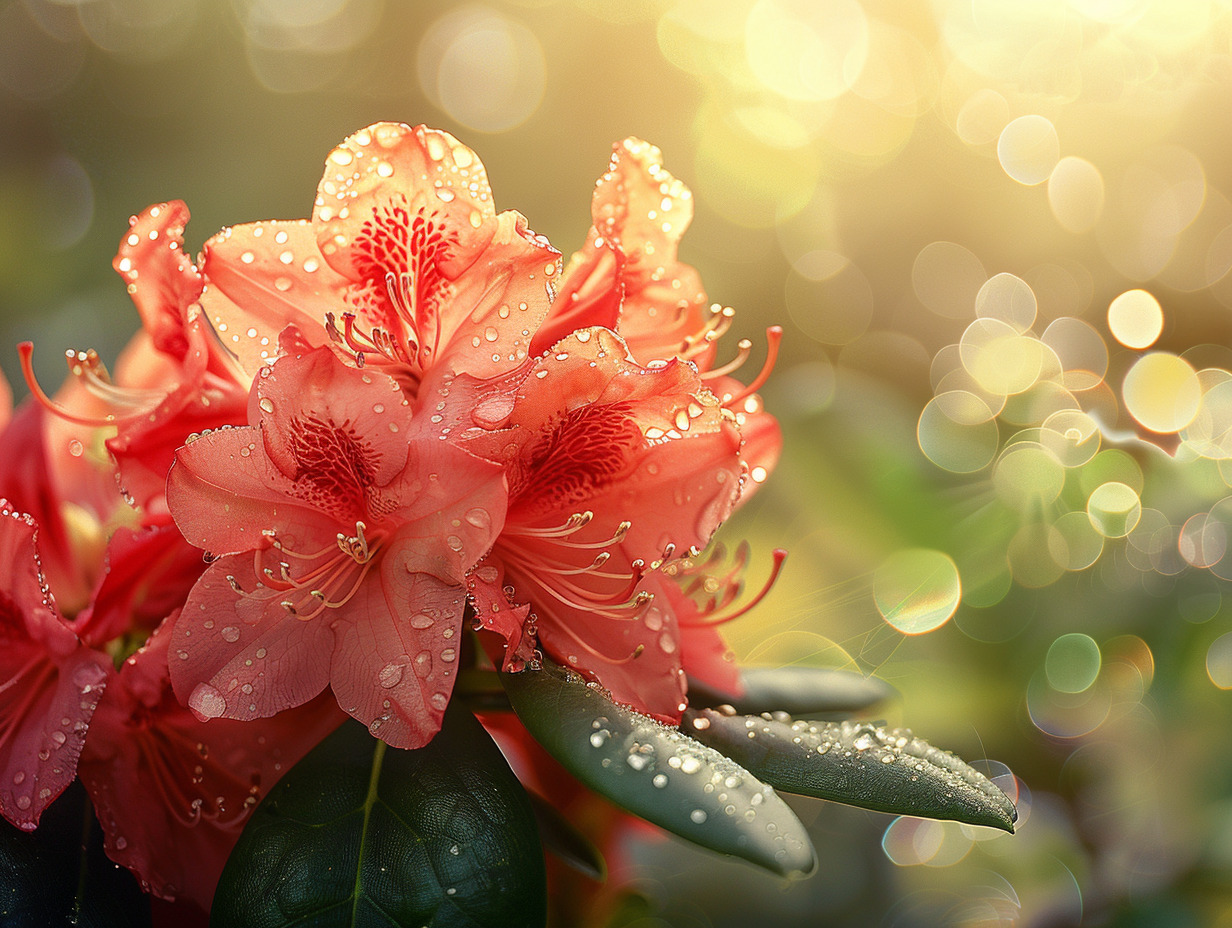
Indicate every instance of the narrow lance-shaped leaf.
{"type": "Point", "coordinates": [658, 772]}
{"type": "Point", "coordinates": [807, 692]}
{"type": "Point", "coordinates": [360, 834]}
{"type": "Point", "coordinates": [59, 875]}
{"type": "Point", "coordinates": [889, 770]}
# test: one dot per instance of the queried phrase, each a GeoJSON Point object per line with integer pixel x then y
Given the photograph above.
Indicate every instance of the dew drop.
{"type": "Point", "coordinates": [439, 701]}
{"type": "Point", "coordinates": [480, 518]}
{"type": "Point", "coordinates": [421, 620]}
{"type": "Point", "coordinates": [698, 816]}
{"type": "Point", "coordinates": [231, 634]}
{"type": "Point", "coordinates": [660, 780]}
{"type": "Point", "coordinates": [23, 802]}
{"type": "Point", "coordinates": [449, 655]}
{"type": "Point", "coordinates": [423, 663]}
{"type": "Point", "coordinates": [391, 674]}
{"type": "Point", "coordinates": [266, 404]}
{"type": "Point", "coordinates": [207, 702]}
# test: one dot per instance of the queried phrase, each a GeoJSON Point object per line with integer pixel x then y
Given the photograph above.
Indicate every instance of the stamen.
{"type": "Point", "coordinates": [774, 336]}
{"type": "Point", "coordinates": [744, 348]}
{"type": "Point", "coordinates": [779, 556]}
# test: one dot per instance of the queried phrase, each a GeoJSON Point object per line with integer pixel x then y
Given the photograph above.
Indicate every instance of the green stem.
{"type": "Point", "coordinates": [378, 757]}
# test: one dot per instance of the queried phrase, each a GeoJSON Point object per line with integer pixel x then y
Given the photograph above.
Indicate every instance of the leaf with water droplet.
{"type": "Point", "coordinates": [358, 833]}
{"type": "Point", "coordinates": [674, 782]}
{"type": "Point", "coordinates": [885, 769]}
{"type": "Point", "coordinates": [806, 692]}
{"type": "Point", "coordinates": [48, 878]}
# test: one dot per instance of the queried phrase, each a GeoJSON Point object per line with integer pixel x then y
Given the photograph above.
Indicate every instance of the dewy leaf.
{"type": "Point", "coordinates": [889, 770]}
{"type": "Point", "coordinates": [59, 875]}
{"type": "Point", "coordinates": [658, 772]}
{"type": "Point", "coordinates": [359, 834]}
{"type": "Point", "coordinates": [802, 691]}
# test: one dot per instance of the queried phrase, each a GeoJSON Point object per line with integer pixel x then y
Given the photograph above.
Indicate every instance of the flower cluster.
{"type": "Point", "coordinates": [410, 443]}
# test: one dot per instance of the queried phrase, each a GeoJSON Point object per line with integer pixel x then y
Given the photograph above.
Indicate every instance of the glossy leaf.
{"type": "Point", "coordinates": [48, 877]}
{"type": "Point", "coordinates": [889, 770]}
{"type": "Point", "coordinates": [360, 834]}
{"type": "Point", "coordinates": [657, 772]}
{"type": "Point", "coordinates": [807, 692]}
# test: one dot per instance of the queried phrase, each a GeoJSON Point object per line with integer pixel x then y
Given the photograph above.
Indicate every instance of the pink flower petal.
{"type": "Point", "coordinates": [241, 656]}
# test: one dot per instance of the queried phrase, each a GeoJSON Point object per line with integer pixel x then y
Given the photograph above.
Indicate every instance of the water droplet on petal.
{"type": "Point", "coordinates": [231, 633]}
{"type": "Point", "coordinates": [391, 674]}
{"type": "Point", "coordinates": [207, 702]}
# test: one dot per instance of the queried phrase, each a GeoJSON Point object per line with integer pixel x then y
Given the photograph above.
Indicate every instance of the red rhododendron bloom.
{"type": "Point", "coordinates": [172, 379]}
{"type": "Point", "coordinates": [173, 793]}
{"type": "Point", "coordinates": [627, 276]}
{"type": "Point", "coordinates": [405, 262]}
{"type": "Point", "coordinates": [50, 683]}
{"type": "Point", "coordinates": [613, 469]}
{"type": "Point", "coordinates": [346, 534]}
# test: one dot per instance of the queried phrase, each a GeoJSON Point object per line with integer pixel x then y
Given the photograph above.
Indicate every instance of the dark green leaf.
{"type": "Point", "coordinates": [658, 772]}
{"type": "Point", "coordinates": [360, 834]}
{"type": "Point", "coordinates": [889, 770]}
{"type": "Point", "coordinates": [59, 875]}
{"type": "Point", "coordinates": [566, 842]}
{"type": "Point", "coordinates": [807, 692]}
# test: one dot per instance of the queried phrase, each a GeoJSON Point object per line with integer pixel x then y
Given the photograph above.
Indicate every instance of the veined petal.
{"type": "Point", "coordinates": [224, 493]}
{"type": "Point", "coordinates": [161, 277]}
{"type": "Point", "coordinates": [418, 168]}
{"type": "Point", "coordinates": [50, 683]}
{"type": "Point", "coordinates": [640, 211]}
{"type": "Point", "coordinates": [495, 613]}
{"type": "Point", "coordinates": [397, 654]}
{"type": "Point", "coordinates": [173, 793]}
{"type": "Point", "coordinates": [261, 277]}
{"type": "Point", "coordinates": [330, 428]}
{"type": "Point", "coordinates": [241, 655]}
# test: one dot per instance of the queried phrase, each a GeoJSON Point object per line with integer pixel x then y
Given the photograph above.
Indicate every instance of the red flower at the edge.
{"type": "Point", "coordinates": [405, 261]}
{"type": "Point", "coordinates": [50, 683]}
{"type": "Point", "coordinates": [173, 793]}
{"type": "Point", "coordinates": [347, 534]}
{"type": "Point", "coordinates": [614, 469]}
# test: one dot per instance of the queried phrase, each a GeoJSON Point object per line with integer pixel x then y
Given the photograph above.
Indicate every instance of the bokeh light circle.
{"type": "Point", "coordinates": [1203, 541]}
{"type": "Point", "coordinates": [484, 69]}
{"type": "Point", "coordinates": [1162, 392]}
{"type": "Point", "coordinates": [1008, 299]}
{"type": "Point", "coordinates": [1219, 661]}
{"type": "Point", "coordinates": [1028, 476]}
{"type": "Point", "coordinates": [1135, 319]}
{"type": "Point", "coordinates": [1083, 544]}
{"type": "Point", "coordinates": [807, 49]}
{"type": "Point", "coordinates": [957, 432]}
{"type": "Point", "coordinates": [916, 590]}
{"type": "Point", "coordinates": [1076, 194]}
{"type": "Point", "coordinates": [1029, 149]}
{"type": "Point", "coordinates": [1114, 509]}
{"type": "Point", "coordinates": [1072, 663]}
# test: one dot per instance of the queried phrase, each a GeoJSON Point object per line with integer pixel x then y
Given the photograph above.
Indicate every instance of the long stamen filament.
{"type": "Point", "coordinates": [779, 556]}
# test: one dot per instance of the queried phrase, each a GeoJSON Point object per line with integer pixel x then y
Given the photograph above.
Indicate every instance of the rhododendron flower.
{"type": "Point", "coordinates": [405, 262]}
{"type": "Point", "coordinates": [173, 793]}
{"type": "Point", "coordinates": [50, 683]}
{"type": "Point", "coordinates": [628, 278]}
{"type": "Point", "coordinates": [613, 469]}
{"type": "Point", "coordinates": [172, 379]}
{"type": "Point", "coordinates": [346, 532]}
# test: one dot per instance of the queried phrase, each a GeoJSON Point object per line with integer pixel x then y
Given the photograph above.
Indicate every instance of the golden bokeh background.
{"type": "Point", "coordinates": [998, 234]}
